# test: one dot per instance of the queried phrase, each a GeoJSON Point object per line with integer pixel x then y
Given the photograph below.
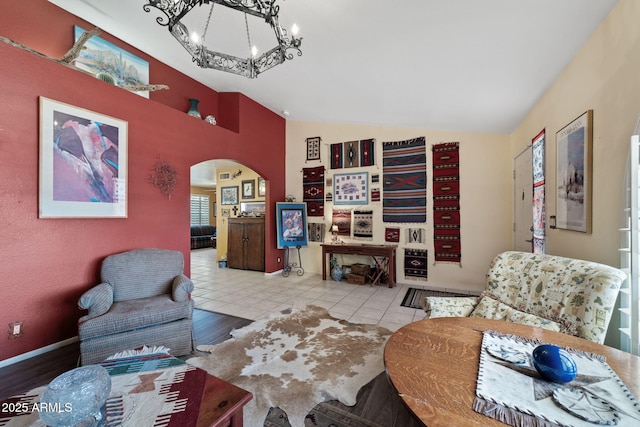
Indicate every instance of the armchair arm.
{"type": "Point", "coordinates": [449, 306]}
{"type": "Point", "coordinates": [182, 288]}
{"type": "Point", "coordinates": [97, 300]}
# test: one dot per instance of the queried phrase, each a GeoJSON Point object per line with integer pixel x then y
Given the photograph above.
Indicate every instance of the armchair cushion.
{"type": "Point", "coordinates": [97, 300]}
{"type": "Point", "coordinates": [134, 314]}
{"type": "Point", "coordinates": [490, 308]}
{"type": "Point", "coordinates": [182, 288]}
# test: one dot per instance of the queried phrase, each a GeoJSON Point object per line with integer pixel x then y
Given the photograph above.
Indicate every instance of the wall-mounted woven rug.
{"type": "Point", "coordinates": [342, 218]}
{"type": "Point", "coordinates": [296, 361]}
{"type": "Point", "coordinates": [446, 202]}
{"type": "Point", "coordinates": [363, 225]}
{"type": "Point", "coordinates": [367, 155]}
{"type": "Point", "coordinates": [415, 264]}
{"type": "Point", "coordinates": [404, 183]}
{"type": "Point", "coordinates": [315, 232]}
{"type": "Point", "coordinates": [313, 190]}
{"type": "Point", "coordinates": [537, 153]}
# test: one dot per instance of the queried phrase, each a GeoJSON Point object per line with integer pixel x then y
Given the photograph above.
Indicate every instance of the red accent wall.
{"type": "Point", "coordinates": [46, 264]}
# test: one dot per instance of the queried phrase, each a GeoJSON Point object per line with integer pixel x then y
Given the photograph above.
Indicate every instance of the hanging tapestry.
{"type": "Point", "coordinates": [315, 231]}
{"type": "Point", "coordinates": [446, 202]}
{"type": "Point", "coordinates": [351, 158]}
{"type": "Point", "coordinates": [415, 264]}
{"type": "Point", "coordinates": [313, 148]}
{"type": "Point", "coordinates": [375, 177]}
{"type": "Point", "coordinates": [343, 220]}
{"type": "Point", "coordinates": [375, 194]}
{"type": "Point", "coordinates": [313, 190]}
{"type": "Point", "coordinates": [392, 235]}
{"type": "Point", "coordinates": [538, 194]}
{"type": "Point", "coordinates": [367, 157]}
{"type": "Point", "coordinates": [336, 155]}
{"type": "Point", "coordinates": [363, 225]}
{"type": "Point", "coordinates": [416, 235]}
{"type": "Point", "coordinates": [405, 181]}
{"type": "Point", "coordinates": [329, 197]}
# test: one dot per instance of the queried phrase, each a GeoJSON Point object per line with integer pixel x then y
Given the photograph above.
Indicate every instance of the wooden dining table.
{"type": "Point", "coordinates": [433, 365]}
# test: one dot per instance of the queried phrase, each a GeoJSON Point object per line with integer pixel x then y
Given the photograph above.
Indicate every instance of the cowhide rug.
{"type": "Point", "coordinates": [296, 361]}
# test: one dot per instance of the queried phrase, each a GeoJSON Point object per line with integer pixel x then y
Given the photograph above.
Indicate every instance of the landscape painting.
{"type": "Point", "coordinates": [107, 61]}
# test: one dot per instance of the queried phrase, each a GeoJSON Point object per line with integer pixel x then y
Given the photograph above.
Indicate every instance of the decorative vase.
{"type": "Point", "coordinates": [193, 108]}
{"type": "Point", "coordinates": [336, 271]}
{"type": "Point", "coordinates": [77, 398]}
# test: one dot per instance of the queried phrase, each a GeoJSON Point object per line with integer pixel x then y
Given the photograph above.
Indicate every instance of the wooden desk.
{"type": "Point", "coordinates": [385, 251]}
{"type": "Point", "coordinates": [433, 365]}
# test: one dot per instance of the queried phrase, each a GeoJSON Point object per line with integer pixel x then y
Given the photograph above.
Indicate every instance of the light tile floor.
{"type": "Point", "coordinates": [252, 294]}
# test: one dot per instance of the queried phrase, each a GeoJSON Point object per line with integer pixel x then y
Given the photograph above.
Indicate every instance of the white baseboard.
{"type": "Point", "coordinates": [273, 273]}
{"type": "Point", "coordinates": [37, 352]}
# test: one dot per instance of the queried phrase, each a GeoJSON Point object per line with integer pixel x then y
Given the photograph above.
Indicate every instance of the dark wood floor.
{"type": "Point", "coordinates": [377, 401]}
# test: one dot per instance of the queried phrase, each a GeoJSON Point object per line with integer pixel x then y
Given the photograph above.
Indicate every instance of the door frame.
{"type": "Point", "coordinates": [529, 149]}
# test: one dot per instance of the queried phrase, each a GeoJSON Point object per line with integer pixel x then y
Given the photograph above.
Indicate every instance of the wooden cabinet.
{"type": "Point", "coordinates": [245, 244]}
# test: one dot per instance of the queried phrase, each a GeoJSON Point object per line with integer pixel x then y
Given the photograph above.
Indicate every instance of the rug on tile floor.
{"type": "Point", "coordinates": [415, 296]}
{"type": "Point", "coordinates": [295, 361]}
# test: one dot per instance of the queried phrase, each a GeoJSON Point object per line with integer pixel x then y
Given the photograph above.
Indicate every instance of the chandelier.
{"type": "Point", "coordinates": [253, 65]}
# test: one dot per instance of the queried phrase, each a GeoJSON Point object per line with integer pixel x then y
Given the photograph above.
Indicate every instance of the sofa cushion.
{"type": "Point", "coordinates": [133, 314]}
{"type": "Point", "coordinates": [449, 306]}
{"type": "Point", "coordinates": [490, 308]}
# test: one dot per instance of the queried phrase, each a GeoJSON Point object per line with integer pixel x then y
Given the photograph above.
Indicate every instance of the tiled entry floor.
{"type": "Point", "coordinates": [252, 294]}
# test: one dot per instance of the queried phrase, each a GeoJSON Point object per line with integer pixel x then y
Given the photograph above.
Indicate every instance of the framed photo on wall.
{"type": "Point", "coordinates": [262, 187]}
{"type": "Point", "coordinates": [573, 174]}
{"type": "Point", "coordinates": [83, 163]}
{"type": "Point", "coordinates": [291, 224]}
{"type": "Point", "coordinates": [229, 195]}
{"type": "Point", "coordinates": [248, 189]}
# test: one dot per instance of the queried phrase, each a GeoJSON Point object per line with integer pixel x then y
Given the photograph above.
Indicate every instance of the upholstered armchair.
{"type": "Point", "coordinates": [556, 293]}
{"type": "Point", "coordinates": [144, 299]}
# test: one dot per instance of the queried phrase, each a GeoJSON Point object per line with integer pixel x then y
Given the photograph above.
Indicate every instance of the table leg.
{"type": "Point", "coordinates": [324, 264]}
{"type": "Point", "coordinates": [236, 419]}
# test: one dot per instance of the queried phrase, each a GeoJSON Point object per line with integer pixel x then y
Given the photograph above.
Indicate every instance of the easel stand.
{"type": "Point", "coordinates": [288, 266]}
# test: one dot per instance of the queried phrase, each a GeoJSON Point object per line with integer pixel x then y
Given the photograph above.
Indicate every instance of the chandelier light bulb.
{"type": "Point", "coordinates": [194, 37]}
{"type": "Point", "coordinates": [254, 51]}
{"type": "Point", "coordinates": [295, 30]}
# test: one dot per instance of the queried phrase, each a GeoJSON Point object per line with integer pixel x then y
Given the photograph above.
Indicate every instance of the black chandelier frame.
{"type": "Point", "coordinates": [175, 10]}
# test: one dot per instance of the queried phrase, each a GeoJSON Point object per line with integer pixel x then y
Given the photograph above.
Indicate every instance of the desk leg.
{"type": "Point", "coordinates": [324, 264]}
{"type": "Point", "coordinates": [236, 419]}
{"type": "Point", "coordinates": [392, 271]}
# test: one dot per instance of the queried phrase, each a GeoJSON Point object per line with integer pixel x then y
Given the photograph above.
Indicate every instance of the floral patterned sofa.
{"type": "Point", "coordinates": [562, 294]}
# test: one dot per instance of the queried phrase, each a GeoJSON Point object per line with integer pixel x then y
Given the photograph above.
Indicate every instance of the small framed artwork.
{"type": "Point", "coordinates": [313, 148]}
{"type": "Point", "coordinates": [252, 208]}
{"type": "Point", "coordinates": [262, 187]}
{"type": "Point", "coordinates": [351, 188]}
{"type": "Point", "coordinates": [249, 189]}
{"type": "Point", "coordinates": [83, 163]}
{"type": "Point", "coordinates": [573, 174]}
{"type": "Point", "coordinates": [291, 224]}
{"type": "Point", "coordinates": [229, 195]}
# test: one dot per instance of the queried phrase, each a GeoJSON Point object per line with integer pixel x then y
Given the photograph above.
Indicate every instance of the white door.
{"type": "Point", "coordinates": [523, 202]}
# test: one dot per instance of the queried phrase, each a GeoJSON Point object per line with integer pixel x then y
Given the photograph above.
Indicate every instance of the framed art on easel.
{"type": "Point", "coordinates": [573, 174]}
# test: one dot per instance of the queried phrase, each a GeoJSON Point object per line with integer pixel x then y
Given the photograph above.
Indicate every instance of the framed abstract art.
{"type": "Point", "coordinates": [83, 163]}
{"type": "Point", "coordinates": [229, 195]}
{"type": "Point", "coordinates": [291, 224]}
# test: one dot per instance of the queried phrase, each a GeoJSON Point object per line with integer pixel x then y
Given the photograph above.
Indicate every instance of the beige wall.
{"type": "Point", "coordinates": [485, 169]}
{"type": "Point", "coordinates": [221, 219]}
{"type": "Point", "coordinates": [211, 192]}
{"type": "Point", "coordinates": [604, 77]}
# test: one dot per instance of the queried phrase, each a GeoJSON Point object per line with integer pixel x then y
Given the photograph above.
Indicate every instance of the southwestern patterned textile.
{"type": "Point", "coordinates": [538, 194]}
{"type": "Point", "coordinates": [367, 157]}
{"type": "Point", "coordinates": [351, 157]}
{"type": "Point", "coordinates": [392, 235]}
{"type": "Point", "coordinates": [342, 218]}
{"type": "Point", "coordinates": [363, 225]}
{"type": "Point", "coordinates": [405, 181]}
{"type": "Point", "coordinates": [315, 231]}
{"type": "Point", "coordinates": [579, 295]}
{"type": "Point", "coordinates": [416, 235]}
{"type": "Point", "coordinates": [151, 390]}
{"type": "Point", "coordinates": [446, 203]}
{"type": "Point", "coordinates": [415, 264]}
{"type": "Point", "coordinates": [336, 156]}
{"type": "Point", "coordinates": [375, 194]}
{"type": "Point", "coordinates": [313, 190]}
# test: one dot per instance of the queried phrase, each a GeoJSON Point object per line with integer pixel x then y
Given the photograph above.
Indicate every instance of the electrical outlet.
{"type": "Point", "coordinates": [16, 329]}
{"type": "Point", "coordinates": [278, 260]}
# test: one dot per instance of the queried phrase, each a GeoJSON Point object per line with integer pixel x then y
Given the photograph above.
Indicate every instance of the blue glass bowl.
{"type": "Point", "coordinates": [554, 363]}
